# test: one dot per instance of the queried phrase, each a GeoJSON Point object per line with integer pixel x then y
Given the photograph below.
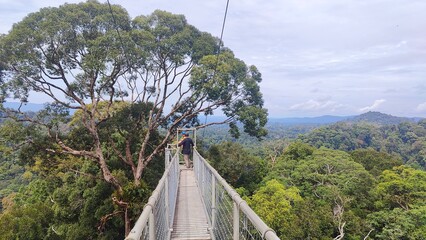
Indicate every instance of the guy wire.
{"type": "Point", "coordinates": [118, 32]}
{"type": "Point", "coordinates": [218, 53]}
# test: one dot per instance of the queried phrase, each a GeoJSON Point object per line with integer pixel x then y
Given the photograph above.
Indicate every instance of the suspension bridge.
{"type": "Point", "coordinates": [196, 204]}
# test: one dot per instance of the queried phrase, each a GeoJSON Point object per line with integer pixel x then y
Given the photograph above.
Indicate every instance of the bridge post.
{"type": "Point", "coordinates": [236, 224]}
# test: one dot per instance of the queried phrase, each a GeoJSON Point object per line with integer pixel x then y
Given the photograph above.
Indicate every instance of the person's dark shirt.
{"type": "Point", "coordinates": [187, 144]}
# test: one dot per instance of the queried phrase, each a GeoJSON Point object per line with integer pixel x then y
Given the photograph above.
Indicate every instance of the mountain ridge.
{"type": "Point", "coordinates": [382, 118]}
{"type": "Point", "coordinates": [370, 117]}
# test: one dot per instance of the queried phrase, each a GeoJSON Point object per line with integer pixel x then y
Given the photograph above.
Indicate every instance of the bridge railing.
{"type": "Point", "coordinates": [156, 219]}
{"type": "Point", "coordinates": [229, 215]}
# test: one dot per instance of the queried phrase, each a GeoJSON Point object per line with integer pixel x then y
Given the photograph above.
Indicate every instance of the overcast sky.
{"type": "Point", "coordinates": [317, 57]}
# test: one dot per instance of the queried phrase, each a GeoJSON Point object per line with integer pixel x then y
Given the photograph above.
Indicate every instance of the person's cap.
{"type": "Point", "coordinates": [183, 133]}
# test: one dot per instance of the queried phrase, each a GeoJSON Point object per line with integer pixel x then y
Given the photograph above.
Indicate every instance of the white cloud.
{"type": "Point", "coordinates": [316, 105]}
{"type": "Point", "coordinates": [375, 105]}
{"type": "Point", "coordinates": [421, 107]}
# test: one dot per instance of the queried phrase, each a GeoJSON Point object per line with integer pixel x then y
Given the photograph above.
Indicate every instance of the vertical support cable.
{"type": "Point", "coordinates": [236, 223]}
{"type": "Point", "coordinates": [196, 166]}
{"type": "Point", "coordinates": [166, 204]}
{"type": "Point", "coordinates": [167, 158]}
{"type": "Point", "coordinates": [151, 226]}
{"type": "Point", "coordinates": [213, 202]}
{"type": "Point", "coordinates": [166, 193]}
{"type": "Point", "coordinates": [203, 181]}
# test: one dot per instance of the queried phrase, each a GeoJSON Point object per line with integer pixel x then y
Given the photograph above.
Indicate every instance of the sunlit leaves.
{"type": "Point", "coordinates": [31, 221]}
{"type": "Point", "coordinates": [402, 187]}
{"type": "Point", "coordinates": [275, 205]}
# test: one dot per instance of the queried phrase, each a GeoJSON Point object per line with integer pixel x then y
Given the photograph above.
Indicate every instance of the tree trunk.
{"type": "Point", "coordinates": [125, 207]}
{"type": "Point", "coordinates": [107, 173]}
{"type": "Point", "coordinates": [138, 175]}
{"type": "Point", "coordinates": [127, 226]}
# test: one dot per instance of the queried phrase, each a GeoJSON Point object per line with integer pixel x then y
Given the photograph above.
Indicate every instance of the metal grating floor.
{"type": "Point", "coordinates": [190, 221]}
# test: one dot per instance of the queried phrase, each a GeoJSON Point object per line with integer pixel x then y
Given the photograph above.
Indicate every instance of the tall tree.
{"type": "Point", "coordinates": [275, 204]}
{"type": "Point", "coordinates": [88, 56]}
{"type": "Point", "coordinates": [375, 162]}
{"type": "Point", "coordinates": [402, 187]}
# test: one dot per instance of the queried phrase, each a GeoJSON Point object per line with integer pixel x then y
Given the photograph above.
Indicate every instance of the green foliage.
{"type": "Point", "coordinates": [73, 205]}
{"type": "Point", "coordinates": [344, 136]}
{"type": "Point", "coordinates": [36, 191]}
{"type": "Point", "coordinates": [313, 221]}
{"type": "Point", "coordinates": [402, 187]}
{"type": "Point", "coordinates": [334, 187]}
{"type": "Point", "coordinates": [398, 224]}
{"type": "Point", "coordinates": [375, 162]}
{"type": "Point", "coordinates": [406, 140]}
{"type": "Point", "coordinates": [97, 47]}
{"type": "Point", "coordinates": [31, 221]}
{"type": "Point", "coordinates": [378, 118]}
{"type": "Point", "coordinates": [298, 151]}
{"type": "Point", "coordinates": [12, 172]}
{"type": "Point", "coordinates": [303, 189]}
{"type": "Point", "coordinates": [78, 206]}
{"type": "Point", "coordinates": [333, 176]}
{"type": "Point", "coordinates": [279, 136]}
{"type": "Point", "coordinates": [275, 205]}
{"type": "Point", "coordinates": [288, 161]}
{"type": "Point", "coordinates": [11, 177]}
{"type": "Point", "coordinates": [68, 192]}
{"type": "Point", "coordinates": [299, 198]}
{"type": "Point", "coordinates": [232, 76]}
{"type": "Point", "coordinates": [90, 57]}
{"type": "Point", "coordinates": [236, 165]}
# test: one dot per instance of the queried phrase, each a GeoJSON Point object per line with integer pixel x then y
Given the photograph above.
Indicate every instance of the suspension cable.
{"type": "Point", "coordinates": [118, 32]}
{"type": "Point", "coordinates": [218, 53]}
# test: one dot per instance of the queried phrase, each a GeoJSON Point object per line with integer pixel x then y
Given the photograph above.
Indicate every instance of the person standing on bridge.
{"type": "Point", "coordinates": [187, 145]}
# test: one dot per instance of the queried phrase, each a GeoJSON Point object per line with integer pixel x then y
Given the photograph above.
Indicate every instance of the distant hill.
{"type": "Point", "coordinates": [380, 119]}
{"type": "Point", "coordinates": [369, 117]}
{"type": "Point", "coordinates": [327, 119]}
{"type": "Point", "coordinates": [322, 120]}
{"type": "Point", "coordinates": [28, 107]}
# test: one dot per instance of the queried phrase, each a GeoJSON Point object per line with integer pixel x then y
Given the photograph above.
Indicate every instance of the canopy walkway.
{"type": "Point", "coordinates": [197, 203]}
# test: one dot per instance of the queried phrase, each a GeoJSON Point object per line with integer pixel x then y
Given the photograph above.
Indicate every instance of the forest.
{"type": "Point", "coordinates": [355, 180]}
{"type": "Point", "coordinates": [349, 180]}
{"type": "Point", "coordinates": [85, 165]}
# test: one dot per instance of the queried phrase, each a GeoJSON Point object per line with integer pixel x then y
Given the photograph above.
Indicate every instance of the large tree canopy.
{"type": "Point", "coordinates": [90, 56]}
{"type": "Point", "coordinates": [87, 56]}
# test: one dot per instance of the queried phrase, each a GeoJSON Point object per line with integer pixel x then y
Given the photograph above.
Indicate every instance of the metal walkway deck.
{"type": "Point", "coordinates": [190, 219]}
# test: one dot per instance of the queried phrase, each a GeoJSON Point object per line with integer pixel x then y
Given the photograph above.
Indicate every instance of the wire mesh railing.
{"type": "Point", "coordinates": [229, 215]}
{"type": "Point", "coordinates": [156, 220]}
